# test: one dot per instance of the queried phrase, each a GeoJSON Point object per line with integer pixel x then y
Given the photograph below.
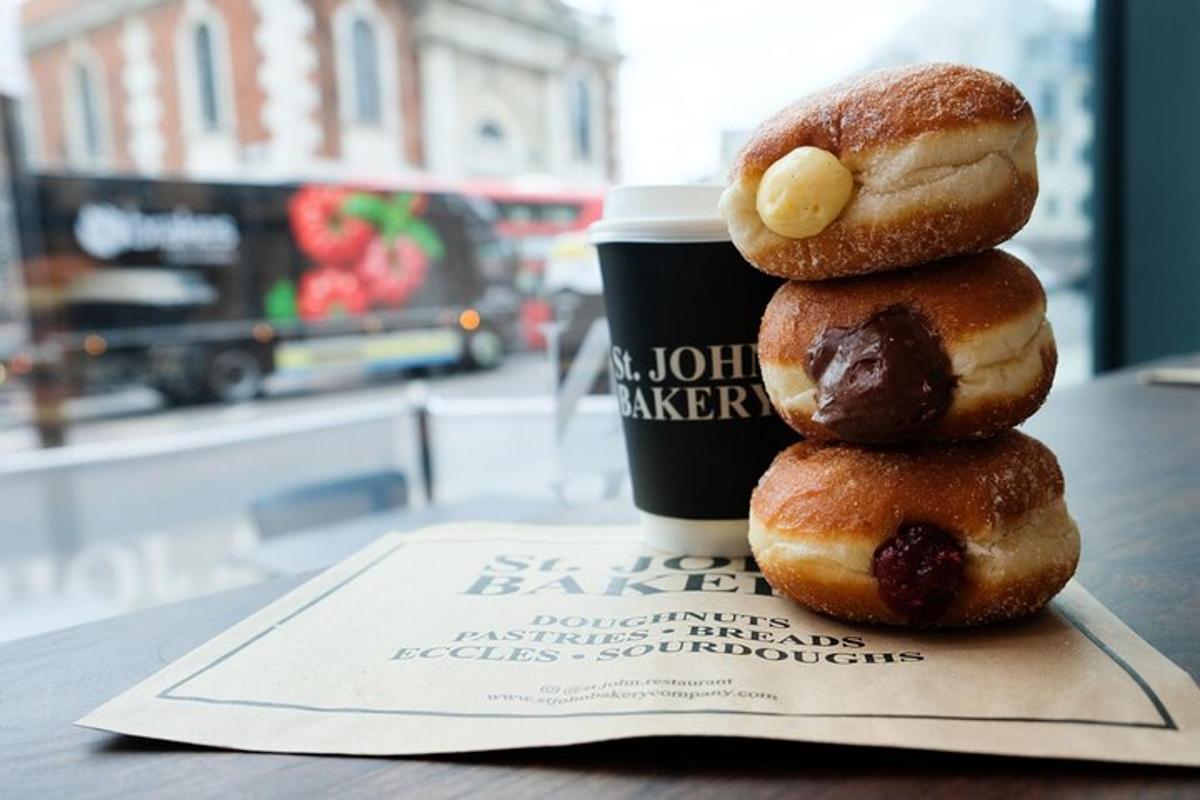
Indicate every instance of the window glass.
{"type": "Point", "coordinates": [491, 132]}
{"type": "Point", "coordinates": [581, 118]}
{"type": "Point", "coordinates": [357, 309]}
{"type": "Point", "coordinates": [89, 119]}
{"type": "Point", "coordinates": [560, 213]}
{"type": "Point", "coordinates": [1049, 106]}
{"type": "Point", "coordinates": [206, 77]}
{"type": "Point", "coordinates": [366, 73]}
{"type": "Point", "coordinates": [13, 310]}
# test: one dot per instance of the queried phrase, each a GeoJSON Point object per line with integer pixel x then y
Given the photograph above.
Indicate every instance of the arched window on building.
{"type": "Point", "coordinates": [31, 124]}
{"type": "Point", "coordinates": [365, 52]}
{"type": "Point", "coordinates": [496, 145]}
{"type": "Point", "coordinates": [207, 100]}
{"type": "Point", "coordinates": [205, 73]}
{"type": "Point", "coordinates": [492, 152]}
{"type": "Point", "coordinates": [491, 133]}
{"type": "Point", "coordinates": [581, 118]}
{"type": "Point", "coordinates": [87, 102]}
{"type": "Point", "coordinates": [369, 97]}
{"type": "Point", "coordinates": [207, 106]}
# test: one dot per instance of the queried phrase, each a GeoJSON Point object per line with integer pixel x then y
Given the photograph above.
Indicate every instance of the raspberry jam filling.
{"type": "Point", "coordinates": [919, 571]}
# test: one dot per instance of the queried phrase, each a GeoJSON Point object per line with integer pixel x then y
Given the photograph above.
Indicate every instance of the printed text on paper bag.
{"type": "Point", "coordinates": [553, 636]}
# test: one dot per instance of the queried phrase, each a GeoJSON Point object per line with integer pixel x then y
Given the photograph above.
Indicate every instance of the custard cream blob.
{"type": "Point", "coordinates": [801, 193]}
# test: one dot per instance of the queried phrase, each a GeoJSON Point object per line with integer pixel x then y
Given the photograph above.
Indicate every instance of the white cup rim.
{"type": "Point", "coordinates": [661, 213]}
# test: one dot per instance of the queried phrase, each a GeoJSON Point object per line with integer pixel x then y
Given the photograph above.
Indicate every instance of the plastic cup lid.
{"type": "Point", "coordinates": [665, 213]}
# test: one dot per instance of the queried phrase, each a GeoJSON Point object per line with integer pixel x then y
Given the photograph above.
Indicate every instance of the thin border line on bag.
{"type": "Point", "coordinates": [1168, 723]}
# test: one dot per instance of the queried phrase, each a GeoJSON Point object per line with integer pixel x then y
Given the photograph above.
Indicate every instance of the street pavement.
{"type": "Point", "coordinates": [136, 411]}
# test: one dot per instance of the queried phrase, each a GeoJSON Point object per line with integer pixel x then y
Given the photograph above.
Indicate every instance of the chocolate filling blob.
{"type": "Point", "coordinates": [919, 571]}
{"type": "Point", "coordinates": [882, 381]}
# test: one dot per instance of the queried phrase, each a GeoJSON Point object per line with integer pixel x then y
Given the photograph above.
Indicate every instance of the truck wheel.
{"type": "Point", "coordinates": [233, 376]}
{"type": "Point", "coordinates": [485, 349]}
{"type": "Point", "coordinates": [179, 397]}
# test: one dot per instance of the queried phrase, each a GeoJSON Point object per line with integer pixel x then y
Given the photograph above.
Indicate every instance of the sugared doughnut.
{"type": "Point", "coordinates": [894, 168]}
{"type": "Point", "coordinates": [940, 535]}
{"type": "Point", "coordinates": [957, 349]}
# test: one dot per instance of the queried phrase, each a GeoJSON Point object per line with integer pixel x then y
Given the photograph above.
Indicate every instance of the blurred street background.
{"type": "Point", "coordinates": [277, 276]}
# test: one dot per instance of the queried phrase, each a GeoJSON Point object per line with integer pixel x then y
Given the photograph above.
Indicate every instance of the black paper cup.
{"type": "Point", "coordinates": [683, 314]}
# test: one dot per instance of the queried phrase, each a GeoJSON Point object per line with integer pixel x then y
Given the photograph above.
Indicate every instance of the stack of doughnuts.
{"type": "Point", "coordinates": [904, 349]}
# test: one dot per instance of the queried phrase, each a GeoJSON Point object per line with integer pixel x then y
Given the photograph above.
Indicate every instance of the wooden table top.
{"type": "Point", "coordinates": [1131, 455]}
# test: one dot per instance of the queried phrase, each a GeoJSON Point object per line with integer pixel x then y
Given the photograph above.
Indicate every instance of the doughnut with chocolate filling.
{"type": "Point", "coordinates": [957, 349]}
{"type": "Point", "coordinates": [894, 168]}
{"type": "Point", "coordinates": [936, 536]}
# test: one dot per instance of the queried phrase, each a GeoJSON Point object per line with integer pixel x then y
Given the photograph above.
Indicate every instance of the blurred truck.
{"type": "Point", "coordinates": [204, 290]}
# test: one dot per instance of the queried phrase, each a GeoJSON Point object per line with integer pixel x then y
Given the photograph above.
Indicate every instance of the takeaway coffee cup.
{"type": "Point", "coordinates": [683, 312]}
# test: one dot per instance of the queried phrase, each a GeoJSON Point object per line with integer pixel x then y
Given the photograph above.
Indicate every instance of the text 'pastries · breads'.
{"type": "Point", "coordinates": [941, 535]}
{"type": "Point", "coordinates": [958, 349]}
{"type": "Point", "coordinates": [892, 169]}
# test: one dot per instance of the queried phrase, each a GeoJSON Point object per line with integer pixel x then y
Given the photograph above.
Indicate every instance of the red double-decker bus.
{"type": "Point", "coordinates": [533, 218]}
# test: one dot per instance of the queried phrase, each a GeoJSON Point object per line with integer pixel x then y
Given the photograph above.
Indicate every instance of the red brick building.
{"type": "Point", "coordinates": [308, 87]}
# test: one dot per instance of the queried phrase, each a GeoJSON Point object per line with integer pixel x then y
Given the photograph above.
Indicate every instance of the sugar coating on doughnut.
{"type": "Point", "coordinates": [821, 513]}
{"type": "Point", "coordinates": [943, 162]}
{"type": "Point", "coordinates": [967, 487]}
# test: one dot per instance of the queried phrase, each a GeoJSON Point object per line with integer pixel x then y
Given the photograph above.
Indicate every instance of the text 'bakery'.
{"type": "Point", "coordinates": [905, 350]}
